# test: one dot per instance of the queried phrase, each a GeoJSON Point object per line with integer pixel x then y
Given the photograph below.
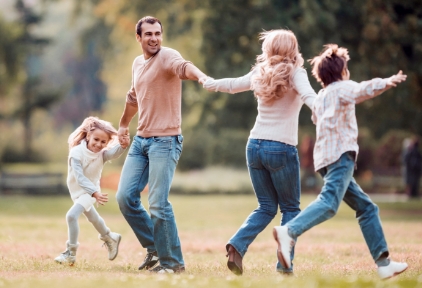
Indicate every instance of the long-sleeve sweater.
{"type": "Point", "coordinates": [157, 90]}
{"type": "Point", "coordinates": [85, 167]}
{"type": "Point", "coordinates": [277, 121]}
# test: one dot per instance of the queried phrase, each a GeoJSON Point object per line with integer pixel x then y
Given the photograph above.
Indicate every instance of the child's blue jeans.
{"type": "Point", "coordinates": [339, 184]}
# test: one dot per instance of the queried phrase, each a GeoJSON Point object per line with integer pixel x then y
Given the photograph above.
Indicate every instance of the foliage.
{"type": "Point", "coordinates": [389, 152]}
{"type": "Point", "coordinates": [9, 57]}
{"type": "Point", "coordinates": [25, 60]}
{"type": "Point", "coordinates": [221, 37]}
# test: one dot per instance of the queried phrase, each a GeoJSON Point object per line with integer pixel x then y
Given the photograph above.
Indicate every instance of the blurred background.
{"type": "Point", "coordinates": [63, 60]}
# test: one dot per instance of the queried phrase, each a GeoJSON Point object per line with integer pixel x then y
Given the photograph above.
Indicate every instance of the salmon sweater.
{"type": "Point", "coordinates": [157, 92]}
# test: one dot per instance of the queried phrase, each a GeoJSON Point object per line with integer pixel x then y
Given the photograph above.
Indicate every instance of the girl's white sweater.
{"type": "Point", "coordinates": [92, 164]}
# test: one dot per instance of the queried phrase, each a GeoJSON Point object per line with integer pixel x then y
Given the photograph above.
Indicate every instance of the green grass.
{"type": "Point", "coordinates": [333, 254]}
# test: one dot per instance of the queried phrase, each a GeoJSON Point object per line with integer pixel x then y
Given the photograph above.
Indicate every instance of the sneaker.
{"type": "Point", "coordinates": [164, 270]}
{"type": "Point", "coordinates": [391, 270]}
{"type": "Point", "coordinates": [285, 245]}
{"type": "Point", "coordinates": [150, 261]}
{"type": "Point", "coordinates": [66, 258]}
{"type": "Point", "coordinates": [111, 241]}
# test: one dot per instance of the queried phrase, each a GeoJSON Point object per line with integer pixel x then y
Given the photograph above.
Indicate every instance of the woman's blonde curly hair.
{"type": "Point", "coordinates": [88, 125]}
{"type": "Point", "coordinates": [275, 66]}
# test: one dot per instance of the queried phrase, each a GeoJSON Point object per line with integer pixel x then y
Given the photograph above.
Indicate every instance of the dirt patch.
{"type": "Point", "coordinates": [111, 182]}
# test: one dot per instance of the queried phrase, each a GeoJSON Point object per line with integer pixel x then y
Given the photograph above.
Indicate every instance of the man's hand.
{"type": "Point", "coordinates": [100, 197]}
{"type": "Point", "coordinates": [124, 137]}
{"type": "Point", "coordinates": [395, 79]}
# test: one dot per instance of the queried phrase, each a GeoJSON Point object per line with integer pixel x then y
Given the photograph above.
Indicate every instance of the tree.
{"type": "Point", "coordinates": [34, 95]}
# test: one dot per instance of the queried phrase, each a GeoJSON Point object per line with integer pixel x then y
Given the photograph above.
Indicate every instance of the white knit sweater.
{"type": "Point", "coordinates": [92, 164]}
{"type": "Point", "coordinates": [278, 121]}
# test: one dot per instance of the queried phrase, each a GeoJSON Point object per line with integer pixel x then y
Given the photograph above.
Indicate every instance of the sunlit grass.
{"type": "Point", "coordinates": [333, 254]}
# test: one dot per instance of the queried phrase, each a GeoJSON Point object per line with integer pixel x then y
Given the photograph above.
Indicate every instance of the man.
{"type": "Point", "coordinates": [152, 158]}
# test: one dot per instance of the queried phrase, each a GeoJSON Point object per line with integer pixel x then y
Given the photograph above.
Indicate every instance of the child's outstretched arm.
{"type": "Point", "coordinates": [396, 79]}
{"type": "Point", "coordinates": [369, 89]}
{"type": "Point", "coordinates": [117, 150]}
{"type": "Point", "coordinates": [100, 197]}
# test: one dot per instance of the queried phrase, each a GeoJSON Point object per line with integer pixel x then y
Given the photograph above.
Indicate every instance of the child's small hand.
{"type": "Point", "coordinates": [210, 84]}
{"type": "Point", "coordinates": [100, 197]}
{"type": "Point", "coordinates": [123, 136]}
{"type": "Point", "coordinates": [124, 141]}
{"type": "Point", "coordinates": [202, 80]}
{"type": "Point", "coordinates": [395, 79]}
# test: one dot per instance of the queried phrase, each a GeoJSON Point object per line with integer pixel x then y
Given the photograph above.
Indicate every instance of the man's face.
{"type": "Point", "coordinates": [151, 39]}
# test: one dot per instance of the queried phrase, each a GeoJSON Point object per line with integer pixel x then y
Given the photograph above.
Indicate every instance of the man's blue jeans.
{"type": "Point", "coordinates": [152, 161]}
{"type": "Point", "coordinates": [274, 171]}
{"type": "Point", "coordinates": [339, 184]}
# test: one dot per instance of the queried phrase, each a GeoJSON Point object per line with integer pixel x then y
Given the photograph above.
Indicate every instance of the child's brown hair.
{"type": "Point", "coordinates": [329, 65]}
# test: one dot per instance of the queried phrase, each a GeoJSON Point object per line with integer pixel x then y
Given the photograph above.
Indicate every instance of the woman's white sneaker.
{"type": "Point", "coordinates": [392, 269]}
{"type": "Point", "coordinates": [285, 245]}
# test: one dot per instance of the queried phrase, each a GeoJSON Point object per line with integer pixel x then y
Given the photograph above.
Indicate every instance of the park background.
{"type": "Point", "coordinates": [63, 60]}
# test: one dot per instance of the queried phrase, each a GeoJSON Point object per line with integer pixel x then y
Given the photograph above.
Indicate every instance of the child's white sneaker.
{"type": "Point", "coordinates": [392, 269]}
{"type": "Point", "coordinates": [111, 241]}
{"type": "Point", "coordinates": [68, 256]}
{"type": "Point", "coordinates": [285, 245]}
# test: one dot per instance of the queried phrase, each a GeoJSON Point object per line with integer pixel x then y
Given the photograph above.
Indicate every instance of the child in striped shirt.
{"type": "Point", "coordinates": [335, 154]}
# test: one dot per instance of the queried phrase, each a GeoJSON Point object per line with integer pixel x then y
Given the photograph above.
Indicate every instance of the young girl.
{"type": "Point", "coordinates": [335, 155]}
{"type": "Point", "coordinates": [91, 145]}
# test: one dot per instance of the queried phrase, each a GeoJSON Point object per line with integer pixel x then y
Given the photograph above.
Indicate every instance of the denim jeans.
{"type": "Point", "coordinates": [152, 161]}
{"type": "Point", "coordinates": [339, 184]}
{"type": "Point", "coordinates": [274, 171]}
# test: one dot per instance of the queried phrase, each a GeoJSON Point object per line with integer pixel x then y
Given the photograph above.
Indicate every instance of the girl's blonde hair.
{"type": "Point", "coordinates": [88, 125]}
{"type": "Point", "coordinates": [329, 65]}
{"type": "Point", "coordinates": [280, 57]}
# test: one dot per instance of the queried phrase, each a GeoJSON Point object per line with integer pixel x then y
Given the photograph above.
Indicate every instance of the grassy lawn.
{"type": "Point", "coordinates": [33, 232]}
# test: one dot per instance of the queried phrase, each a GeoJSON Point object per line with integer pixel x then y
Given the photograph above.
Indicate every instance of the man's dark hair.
{"type": "Point", "coordinates": [149, 20]}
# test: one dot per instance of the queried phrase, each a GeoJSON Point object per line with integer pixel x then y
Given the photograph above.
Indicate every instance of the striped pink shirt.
{"type": "Point", "coordinates": [333, 114]}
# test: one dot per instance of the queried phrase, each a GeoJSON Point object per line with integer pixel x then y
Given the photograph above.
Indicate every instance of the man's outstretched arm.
{"type": "Point", "coordinates": [193, 73]}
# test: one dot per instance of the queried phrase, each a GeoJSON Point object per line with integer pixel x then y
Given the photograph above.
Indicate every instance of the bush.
{"type": "Point", "coordinates": [12, 154]}
{"type": "Point", "coordinates": [367, 146]}
{"type": "Point", "coordinates": [196, 149]}
{"type": "Point", "coordinates": [389, 150]}
{"type": "Point", "coordinates": [229, 148]}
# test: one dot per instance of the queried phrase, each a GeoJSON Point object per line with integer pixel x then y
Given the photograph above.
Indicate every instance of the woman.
{"type": "Point", "coordinates": [281, 86]}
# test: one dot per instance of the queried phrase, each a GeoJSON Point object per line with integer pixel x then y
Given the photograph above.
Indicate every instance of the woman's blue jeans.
{"type": "Point", "coordinates": [274, 171]}
{"type": "Point", "coordinates": [152, 161]}
{"type": "Point", "coordinates": [339, 184]}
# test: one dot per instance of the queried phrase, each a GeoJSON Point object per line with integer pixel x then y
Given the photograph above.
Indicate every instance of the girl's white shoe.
{"type": "Point", "coordinates": [392, 269]}
{"type": "Point", "coordinates": [111, 241]}
{"type": "Point", "coordinates": [68, 256]}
